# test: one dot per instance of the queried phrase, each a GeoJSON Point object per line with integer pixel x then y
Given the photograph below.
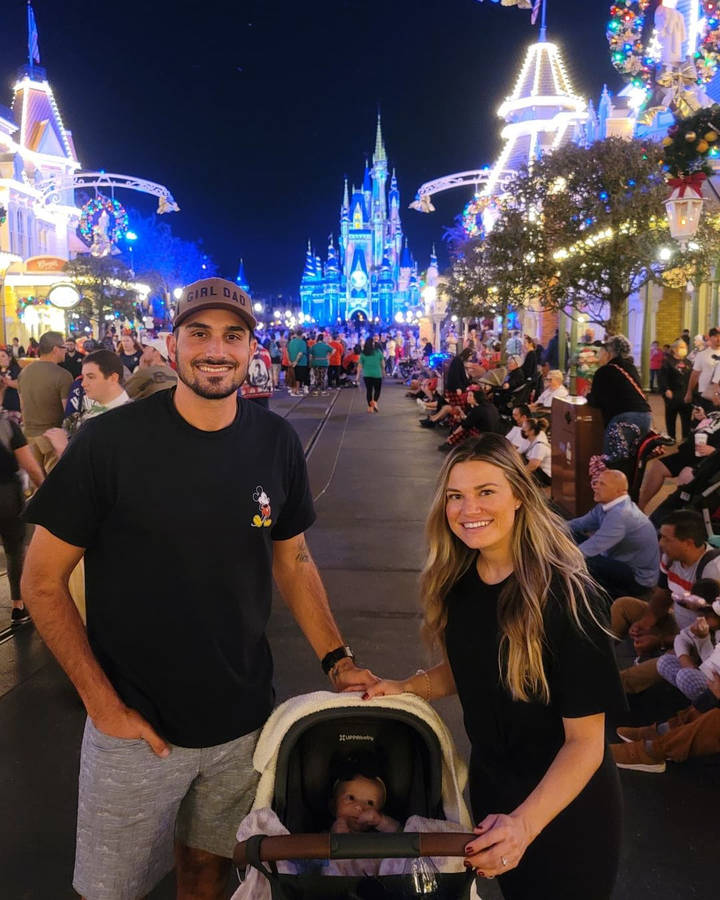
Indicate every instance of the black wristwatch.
{"type": "Point", "coordinates": [334, 656]}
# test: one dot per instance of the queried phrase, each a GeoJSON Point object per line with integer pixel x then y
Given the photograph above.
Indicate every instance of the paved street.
{"type": "Point", "coordinates": [372, 477]}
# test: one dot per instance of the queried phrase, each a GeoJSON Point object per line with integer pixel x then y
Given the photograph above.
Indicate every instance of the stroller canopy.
{"type": "Point", "coordinates": [307, 734]}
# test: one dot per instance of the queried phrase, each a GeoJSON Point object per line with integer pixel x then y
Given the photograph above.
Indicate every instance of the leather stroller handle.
{"type": "Point", "coordinates": [401, 845]}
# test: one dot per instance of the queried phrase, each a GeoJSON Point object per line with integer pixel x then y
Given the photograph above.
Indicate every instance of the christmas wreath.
{"type": "Point", "coordinates": [91, 212]}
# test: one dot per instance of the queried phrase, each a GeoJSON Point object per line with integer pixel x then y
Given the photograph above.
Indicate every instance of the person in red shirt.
{"type": "Point", "coordinates": [335, 361]}
{"type": "Point", "coordinates": [656, 360]}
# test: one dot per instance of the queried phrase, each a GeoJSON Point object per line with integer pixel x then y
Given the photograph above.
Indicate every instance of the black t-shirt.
{"type": "Point", "coordinates": [11, 398]}
{"type": "Point", "coordinates": [73, 363]}
{"type": "Point", "coordinates": [514, 743]}
{"type": "Point", "coordinates": [8, 462]}
{"type": "Point", "coordinates": [179, 527]}
{"type": "Point", "coordinates": [484, 417]}
{"type": "Point", "coordinates": [130, 360]}
{"type": "Point", "coordinates": [616, 389]}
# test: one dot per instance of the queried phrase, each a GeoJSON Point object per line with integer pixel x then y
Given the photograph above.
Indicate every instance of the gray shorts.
{"type": "Point", "coordinates": [133, 805]}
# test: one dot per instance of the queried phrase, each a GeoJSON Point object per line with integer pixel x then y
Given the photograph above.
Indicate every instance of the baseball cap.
{"type": "Point", "coordinates": [158, 344]}
{"type": "Point", "coordinates": [214, 293]}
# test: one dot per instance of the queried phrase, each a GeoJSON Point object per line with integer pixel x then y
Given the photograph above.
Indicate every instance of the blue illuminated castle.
{"type": "Point", "coordinates": [371, 274]}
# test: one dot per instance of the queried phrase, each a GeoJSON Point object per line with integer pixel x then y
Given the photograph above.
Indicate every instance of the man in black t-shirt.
{"type": "Point", "coordinates": [177, 675]}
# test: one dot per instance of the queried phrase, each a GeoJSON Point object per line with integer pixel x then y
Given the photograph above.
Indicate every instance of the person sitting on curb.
{"type": "Point", "coordinates": [520, 415]}
{"type": "Point", "coordinates": [685, 557]}
{"type": "Point", "coordinates": [555, 389]}
{"type": "Point", "coordinates": [617, 540]}
{"type": "Point", "coordinates": [691, 732]}
{"type": "Point", "coordinates": [696, 659]}
{"type": "Point", "coordinates": [481, 416]}
{"type": "Point", "coordinates": [683, 465]}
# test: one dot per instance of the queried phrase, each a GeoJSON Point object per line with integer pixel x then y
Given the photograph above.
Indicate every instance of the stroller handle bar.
{"type": "Point", "coordinates": [401, 845]}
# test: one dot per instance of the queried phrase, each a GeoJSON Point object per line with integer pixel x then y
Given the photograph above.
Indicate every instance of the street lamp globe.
{"type": "Point", "coordinates": [684, 208]}
{"type": "Point", "coordinates": [258, 307]}
{"type": "Point", "coordinates": [177, 293]}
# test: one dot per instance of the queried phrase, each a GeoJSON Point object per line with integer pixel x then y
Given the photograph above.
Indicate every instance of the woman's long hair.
{"type": "Point", "coordinates": [542, 552]}
{"type": "Point", "coordinates": [369, 347]}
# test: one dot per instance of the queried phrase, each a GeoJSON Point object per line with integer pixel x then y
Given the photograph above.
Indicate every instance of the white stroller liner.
{"type": "Point", "coordinates": [454, 769]}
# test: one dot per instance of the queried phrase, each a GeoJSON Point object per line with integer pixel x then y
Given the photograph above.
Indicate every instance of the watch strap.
{"type": "Point", "coordinates": [334, 656]}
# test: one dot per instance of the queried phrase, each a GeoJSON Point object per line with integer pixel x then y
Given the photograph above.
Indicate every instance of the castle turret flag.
{"type": "Point", "coordinates": [33, 47]}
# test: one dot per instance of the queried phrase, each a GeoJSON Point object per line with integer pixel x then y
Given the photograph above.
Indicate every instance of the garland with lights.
{"type": "Point", "coordinates": [637, 61]}
{"type": "Point", "coordinates": [92, 211]}
{"type": "Point", "coordinates": [690, 142]}
{"type": "Point", "coordinates": [24, 302]}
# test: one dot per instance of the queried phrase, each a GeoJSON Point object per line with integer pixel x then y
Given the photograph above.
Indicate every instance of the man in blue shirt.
{"type": "Point", "coordinates": [618, 541]}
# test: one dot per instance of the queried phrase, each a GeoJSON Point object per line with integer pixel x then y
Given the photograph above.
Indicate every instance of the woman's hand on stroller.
{"type": "Point", "coordinates": [345, 676]}
{"type": "Point", "coordinates": [500, 845]}
{"type": "Point", "coordinates": [385, 687]}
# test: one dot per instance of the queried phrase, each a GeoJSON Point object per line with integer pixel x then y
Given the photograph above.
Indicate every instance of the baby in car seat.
{"type": "Point", "coordinates": [357, 804]}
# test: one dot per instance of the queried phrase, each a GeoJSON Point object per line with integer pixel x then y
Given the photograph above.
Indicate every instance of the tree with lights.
{"type": "Point", "coordinates": [106, 285]}
{"type": "Point", "coordinates": [497, 274]}
{"type": "Point", "coordinates": [599, 231]}
{"type": "Point", "coordinates": [163, 260]}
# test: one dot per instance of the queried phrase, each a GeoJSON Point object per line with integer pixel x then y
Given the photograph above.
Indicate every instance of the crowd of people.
{"type": "Point", "coordinates": [658, 573]}
{"type": "Point", "coordinates": [537, 649]}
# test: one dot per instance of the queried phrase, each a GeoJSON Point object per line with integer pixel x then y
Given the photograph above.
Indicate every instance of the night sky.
{"type": "Point", "coordinates": [252, 112]}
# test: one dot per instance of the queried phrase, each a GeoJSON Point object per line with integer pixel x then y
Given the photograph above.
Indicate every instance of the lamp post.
{"type": "Point", "coordinates": [131, 237]}
{"type": "Point", "coordinates": [684, 208]}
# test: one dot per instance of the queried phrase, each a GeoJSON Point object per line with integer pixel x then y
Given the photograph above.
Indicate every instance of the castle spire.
{"type": "Point", "coordinates": [379, 155]}
{"type": "Point", "coordinates": [346, 197]}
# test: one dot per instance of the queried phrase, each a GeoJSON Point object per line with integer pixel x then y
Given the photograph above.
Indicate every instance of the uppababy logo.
{"type": "Point", "coordinates": [355, 737]}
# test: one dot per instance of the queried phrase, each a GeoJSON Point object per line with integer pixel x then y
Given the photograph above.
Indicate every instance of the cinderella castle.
{"type": "Point", "coordinates": [371, 274]}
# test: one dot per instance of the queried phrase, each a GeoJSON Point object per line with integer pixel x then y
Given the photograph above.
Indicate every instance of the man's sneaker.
{"type": "Point", "coordinates": [427, 423]}
{"type": "Point", "coordinates": [635, 756]}
{"type": "Point", "coordinates": [19, 616]}
{"type": "Point", "coordinates": [645, 733]}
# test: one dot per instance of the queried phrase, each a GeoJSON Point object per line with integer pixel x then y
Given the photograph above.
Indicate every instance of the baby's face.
{"type": "Point", "coordinates": [355, 797]}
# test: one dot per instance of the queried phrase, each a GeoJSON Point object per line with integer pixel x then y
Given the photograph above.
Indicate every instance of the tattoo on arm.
{"type": "Point", "coordinates": [303, 554]}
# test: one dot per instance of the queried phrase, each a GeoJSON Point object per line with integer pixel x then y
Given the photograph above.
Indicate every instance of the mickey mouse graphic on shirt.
{"type": "Point", "coordinates": [263, 501]}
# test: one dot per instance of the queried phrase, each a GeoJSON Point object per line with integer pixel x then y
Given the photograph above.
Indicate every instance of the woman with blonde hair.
{"type": "Point", "coordinates": [507, 598]}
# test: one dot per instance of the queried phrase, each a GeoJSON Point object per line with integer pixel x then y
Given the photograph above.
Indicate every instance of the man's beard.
{"type": "Point", "coordinates": [211, 387]}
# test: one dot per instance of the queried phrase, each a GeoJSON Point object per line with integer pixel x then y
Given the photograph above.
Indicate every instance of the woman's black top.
{"type": "Point", "coordinates": [530, 365]}
{"type": "Point", "coordinates": [674, 376]}
{"type": "Point", "coordinates": [130, 360]}
{"type": "Point", "coordinates": [483, 417]}
{"type": "Point", "coordinates": [514, 743]}
{"type": "Point", "coordinates": [456, 379]}
{"type": "Point", "coordinates": [11, 398]}
{"type": "Point", "coordinates": [612, 391]}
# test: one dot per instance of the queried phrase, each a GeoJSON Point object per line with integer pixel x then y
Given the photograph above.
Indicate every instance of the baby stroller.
{"type": "Point", "coordinates": [422, 774]}
{"type": "Point", "coordinates": [629, 453]}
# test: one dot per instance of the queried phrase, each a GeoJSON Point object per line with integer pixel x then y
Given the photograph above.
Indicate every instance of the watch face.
{"type": "Point", "coordinates": [358, 279]}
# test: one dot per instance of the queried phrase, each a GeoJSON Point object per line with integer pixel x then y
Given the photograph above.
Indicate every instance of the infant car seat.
{"type": "Point", "coordinates": [314, 747]}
